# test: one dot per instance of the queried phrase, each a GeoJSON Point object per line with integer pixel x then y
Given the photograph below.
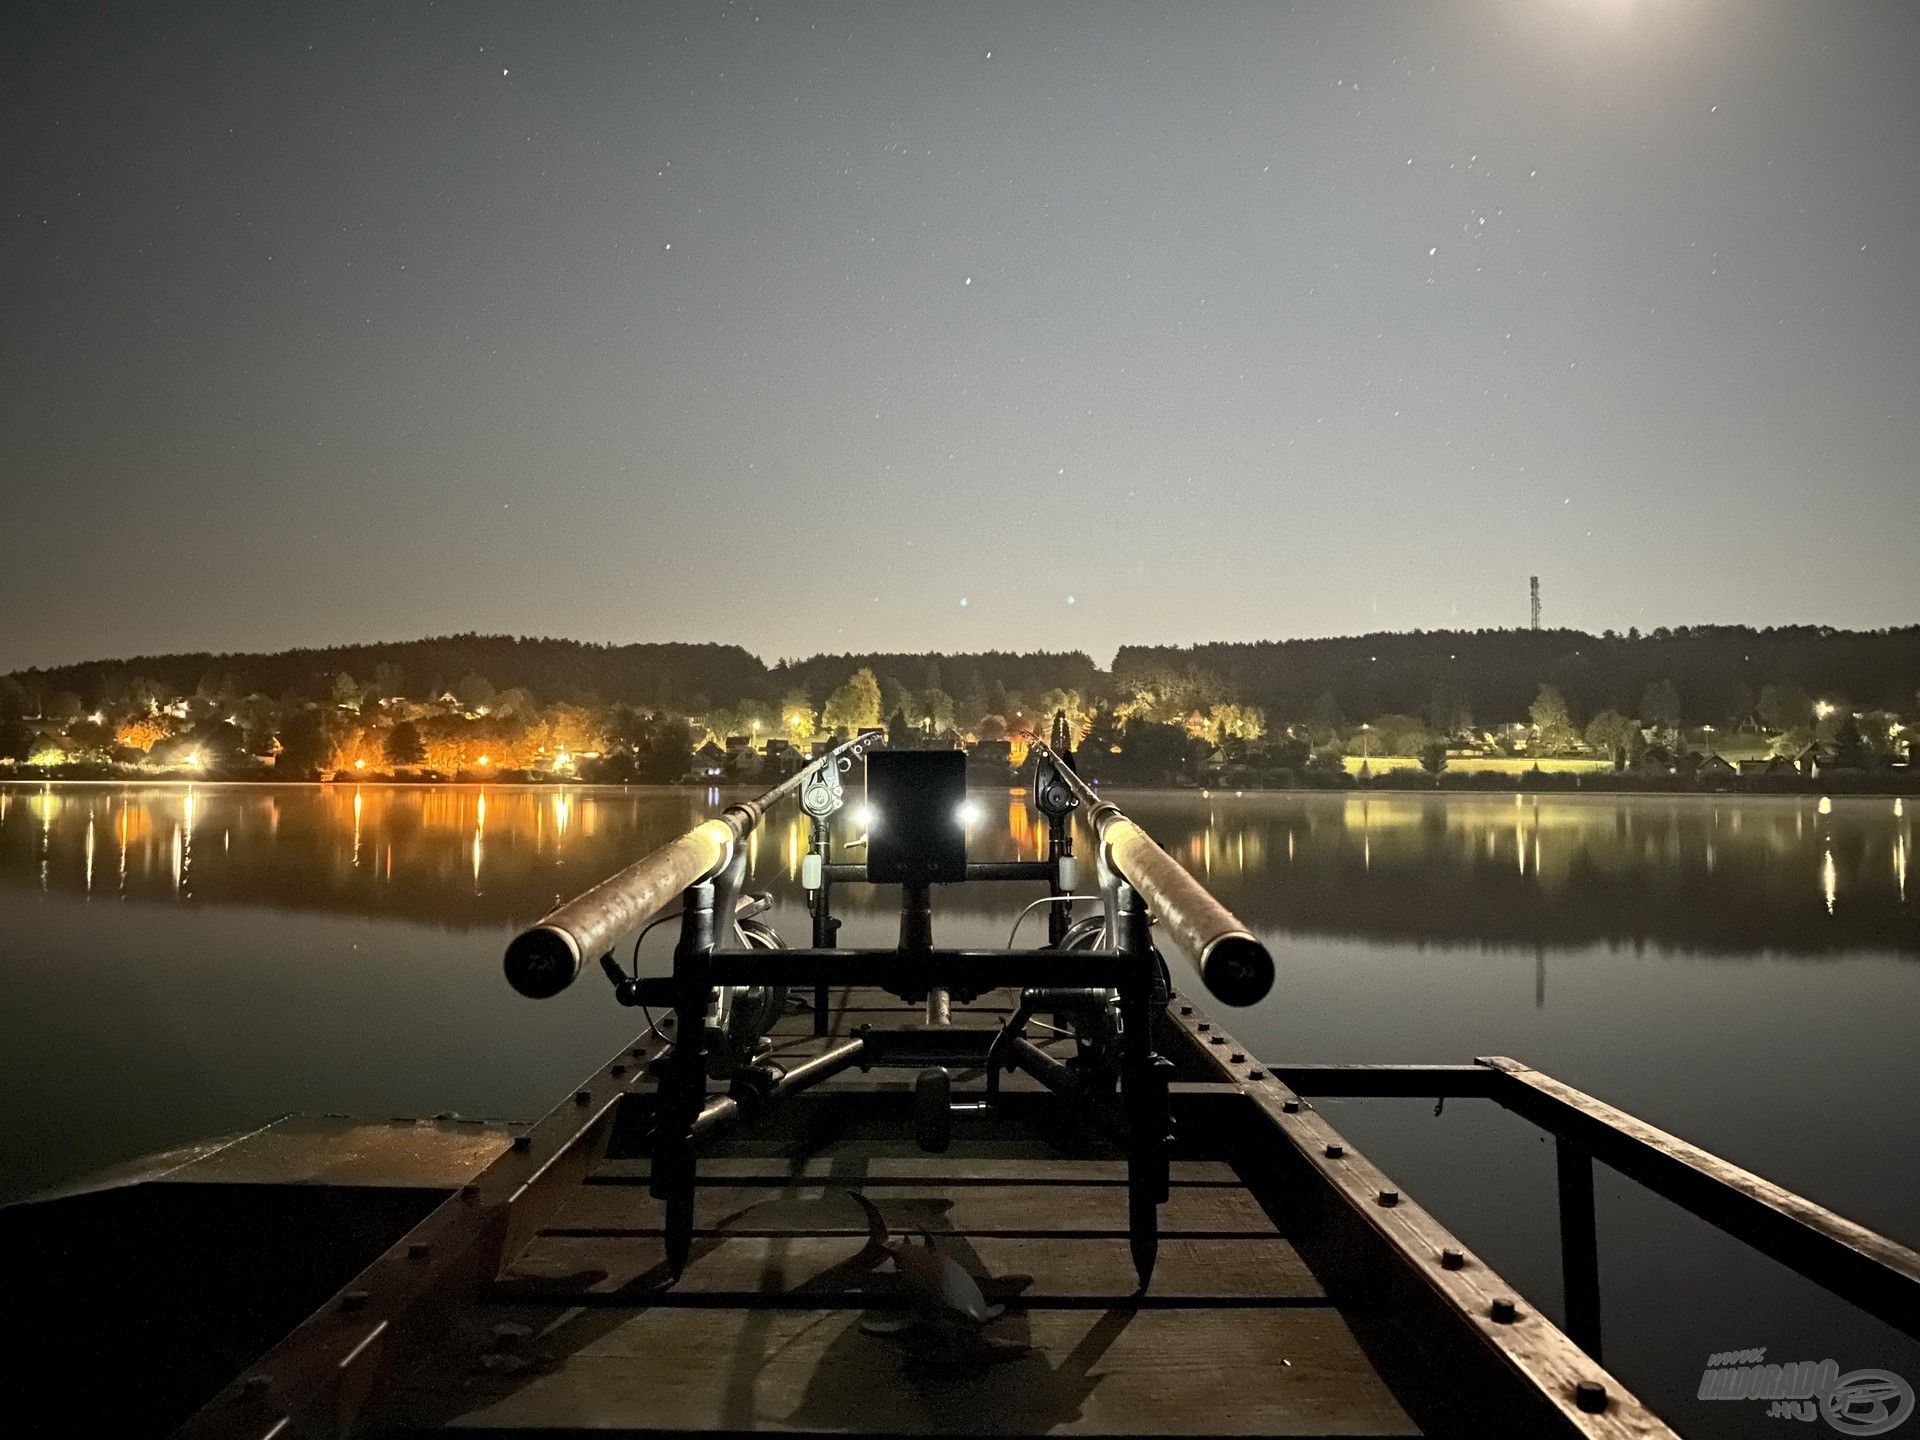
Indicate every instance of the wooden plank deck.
{"type": "Point", "coordinates": [836, 1270]}
{"type": "Point", "coordinates": [966, 1209]}
{"type": "Point", "coordinates": [585, 1332]}
{"type": "Point", "coordinates": [1112, 1371]}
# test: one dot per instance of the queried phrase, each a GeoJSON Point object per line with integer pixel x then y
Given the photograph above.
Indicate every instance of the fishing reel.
{"type": "Point", "coordinates": [1052, 796]}
{"type": "Point", "coordinates": [821, 793]}
{"type": "Point", "coordinates": [734, 1029]}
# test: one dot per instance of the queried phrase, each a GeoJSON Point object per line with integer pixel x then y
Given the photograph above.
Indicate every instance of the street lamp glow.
{"type": "Point", "coordinates": [1823, 708]}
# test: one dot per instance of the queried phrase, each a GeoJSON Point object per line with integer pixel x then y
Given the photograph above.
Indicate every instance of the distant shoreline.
{"type": "Point", "coordinates": [1849, 786]}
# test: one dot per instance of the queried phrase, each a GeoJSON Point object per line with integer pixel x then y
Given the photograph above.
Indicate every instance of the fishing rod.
{"type": "Point", "coordinates": [547, 957]}
{"type": "Point", "coordinates": [1233, 963]}
{"type": "Point", "coordinates": [726, 1001]}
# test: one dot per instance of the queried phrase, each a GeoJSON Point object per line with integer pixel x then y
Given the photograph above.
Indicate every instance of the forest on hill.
{"type": "Point", "coordinates": [1717, 673]}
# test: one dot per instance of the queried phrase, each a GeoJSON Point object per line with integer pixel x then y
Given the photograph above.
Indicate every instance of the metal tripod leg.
{"type": "Point", "coordinates": [1143, 1078]}
{"type": "Point", "coordinates": [683, 1086]}
{"type": "Point", "coordinates": [826, 929]}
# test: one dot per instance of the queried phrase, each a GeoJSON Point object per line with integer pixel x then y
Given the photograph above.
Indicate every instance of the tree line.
{"type": "Point", "coordinates": [1717, 671]}
{"type": "Point", "coordinates": [1254, 711]}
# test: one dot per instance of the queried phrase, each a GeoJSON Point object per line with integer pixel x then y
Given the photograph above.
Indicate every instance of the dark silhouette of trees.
{"type": "Point", "coordinates": [1499, 671]}
{"type": "Point", "coordinates": [1849, 744]}
{"type": "Point", "coordinates": [1673, 677]}
{"type": "Point", "coordinates": [1785, 707]}
{"type": "Point", "coordinates": [1660, 705]}
{"type": "Point", "coordinates": [475, 692]}
{"type": "Point", "coordinates": [404, 746]}
{"type": "Point", "coordinates": [1149, 750]}
{"type": "Point", "coordinates": [1325, 720]}
{"type": "Point", "coordinates": [1449, 712]}
{"type": "Point", "coordinates": [306, 743]}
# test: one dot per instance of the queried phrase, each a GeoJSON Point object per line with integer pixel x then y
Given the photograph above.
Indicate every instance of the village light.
{"type": "Point", "coordinates": [359, 764]}
{"type": "Point", "coordinates": [1823, 708]}
{"type": "Point", "coordinates": [483, 760]}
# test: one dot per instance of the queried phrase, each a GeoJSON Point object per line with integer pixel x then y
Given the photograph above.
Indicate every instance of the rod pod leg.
{"type": "Point", "coordinates": [683, 1090]}
{"type": "Point", "coordinates": [1144, 1087]}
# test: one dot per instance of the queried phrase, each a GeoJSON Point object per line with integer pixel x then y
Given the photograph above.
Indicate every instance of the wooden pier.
{"type": "Point", "coordinates": [1297, 1292]}
{"type": "Point", "coordinates": [1290, 1297]}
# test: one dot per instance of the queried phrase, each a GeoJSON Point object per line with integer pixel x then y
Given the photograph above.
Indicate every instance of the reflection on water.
{"type": "Point", "coordinates": [1702, 873]}
{"type": "Point", "coordinates": [1716, 875]}
{"type": "Point", "coordinates": [186, 961]}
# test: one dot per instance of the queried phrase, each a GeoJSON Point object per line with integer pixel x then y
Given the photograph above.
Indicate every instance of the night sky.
{"type": "Point", "coordinates": [953, 327]}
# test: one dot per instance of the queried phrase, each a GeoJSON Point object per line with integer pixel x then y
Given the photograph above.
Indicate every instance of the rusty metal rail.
{"type": "Point", "coordinates": [1861, 1266]}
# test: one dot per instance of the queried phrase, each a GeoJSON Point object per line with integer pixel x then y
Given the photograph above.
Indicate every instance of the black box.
{"type": "Point", "coordinates": [916, 830]}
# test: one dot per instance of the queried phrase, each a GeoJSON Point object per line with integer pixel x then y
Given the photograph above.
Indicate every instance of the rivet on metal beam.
{"type": "Point", "coordinates": [1186, 1009]}
{"type": "Point", "coordinates": [1236, 1058]}
{"type": "Point", "coordinates": [1256, 1074]}
{"type": "Point", "coordinates": [256, 1384]}
{"type": "Point", "coordinates": [353, 1300]}
{"type": "Point", "coordinates": [582, 1097]}
{"type": "Point", "coordinates": [523, 1142]}
{"type": "Point", "coordinates": [419, 1250]}
{"type": "Point", "coordinates": [1590, 1396]}
{"type": "Point", "coordinates": [469, 1192]}
{"type": "Point", "coordinates": [617, 1070]}
{"type": "Point", "coordinates": [1505, 1311]}
{"type": "Point", "coordinates": [1452, 1260]}
{"type": "Point", "coordinates": [636, 1053]}
{"type": "Point", "coordinates": [1292, 1107]}
{"type": "Point", "coordinates": [1334, 1152]}
{"type": "Point", "coordinates": [1204, 1026]}
{"type": "Point", "coordinates": [1389, 1198]}
{"type": "Point", "coordinates": [1216, 1039]}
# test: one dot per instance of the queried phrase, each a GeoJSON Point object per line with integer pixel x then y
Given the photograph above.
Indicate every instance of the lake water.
{"type": "Point", "coordinates": [178, 962]}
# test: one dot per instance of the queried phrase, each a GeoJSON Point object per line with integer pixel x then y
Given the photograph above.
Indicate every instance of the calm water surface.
{"type": "Point", "coordinates": [179, 962]}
